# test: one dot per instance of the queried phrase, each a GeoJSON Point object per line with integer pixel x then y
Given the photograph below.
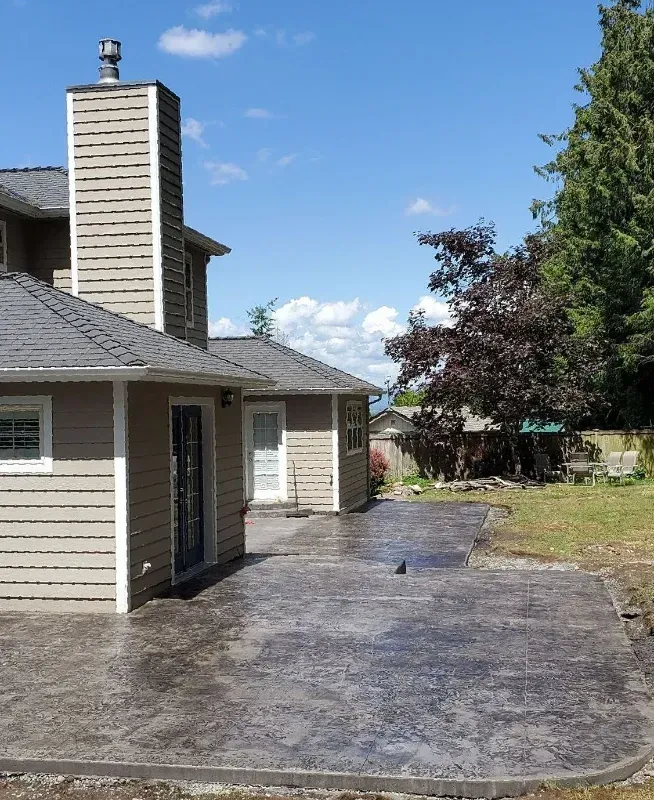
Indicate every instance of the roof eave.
{"type": "Point", "coordinates": [139, 373]}
{"type": "Point", "coordinates": [205, 243]}
{"type": "Point", "coordinates": [372, 391]}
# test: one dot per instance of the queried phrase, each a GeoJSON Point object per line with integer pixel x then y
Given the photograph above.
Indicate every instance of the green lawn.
{"type": "Point", "coordinates": [596, 526]}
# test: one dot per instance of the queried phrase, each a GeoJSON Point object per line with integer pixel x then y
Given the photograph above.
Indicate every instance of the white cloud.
{"type": "Point", "coordinates": [280, 37]}
{"type": "Point", "coordinates": [338, 313]}
{"type": "Point", "coordinates": [436, 311]}
{"type": "Point", "coordinates": [286, 161]}
{"type": "Point", "coordinates": [307, 37]}
{"type": "Point", "coordinates": [262, 33]}
{"type": "Point", "coordinates": [194, 43]}
{"type": "Point", "coordinates": [225, 327]}
{"type": "Point", "coordinates": [194, 129]}
{"type": "Point", "coordinates": [212, 9]}
{"type": "Point", "coordinates": [223, 173]}
{"type": "Point", "coordinates": [421, 206]}
{"type": "Point", "coordinates": [259, 113]}
{"type": "Point", "coordinates": [382, 321]}
{"type": "Point", "coordinates": [264, 154]}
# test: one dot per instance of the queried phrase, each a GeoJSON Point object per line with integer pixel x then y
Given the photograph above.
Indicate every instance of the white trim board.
{"type": "Point", "coordinates": [121, 497]}
{"type": "Point", "coordinates": [155, 194]}
{"type": "Point", "coordinates": [280, 408]}
{"type": "Point", "coordinates": [336, 476]}
{"type": "Point", "coordinates": [72, 194]}
{"type": "Point", "coordinates": [209, 490]}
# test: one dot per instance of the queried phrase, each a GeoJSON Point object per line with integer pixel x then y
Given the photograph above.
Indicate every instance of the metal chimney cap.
{"type": "Point", "coordinates": [110, 55]}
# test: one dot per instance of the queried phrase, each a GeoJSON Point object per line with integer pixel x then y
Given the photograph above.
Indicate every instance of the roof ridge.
{"type": "Point", "coordinates": [34, 169]}
{"type": "Point", "coordinates": [43, 292]}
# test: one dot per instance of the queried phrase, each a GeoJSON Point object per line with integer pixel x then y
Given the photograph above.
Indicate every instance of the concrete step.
{"type": "Point", "coordinates": [261, 510]}
{"type": "Point", "coordinates": [271, 505]}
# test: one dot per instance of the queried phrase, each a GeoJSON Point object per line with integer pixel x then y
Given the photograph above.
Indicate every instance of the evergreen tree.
{"type": "Point", "coordinates": [261, 319]}
{"type": "Point", "coordinates": [602, 214]}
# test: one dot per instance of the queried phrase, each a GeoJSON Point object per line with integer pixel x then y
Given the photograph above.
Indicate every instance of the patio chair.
{"type": "Point", "coordinates": [543, 468]}
{"type": "Point", "coordinates": [629, 461]}
{"type": "Point", "coordinates": [611, 468]}
{"type": "Point", "coordinates": [579, 467]}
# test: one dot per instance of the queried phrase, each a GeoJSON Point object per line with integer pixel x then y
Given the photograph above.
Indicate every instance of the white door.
{"type": "Point", "coordinates": [266, 451]}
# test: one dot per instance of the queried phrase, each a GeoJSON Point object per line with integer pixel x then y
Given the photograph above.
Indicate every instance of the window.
{"type": "Point", "coordinates": [25, 434]}
{"type": "Point", "coordinates": [354, 417]}
{"type": "Point", "coordinates": [3, 246]}
{"type": "Point", "coordinates": [188, 291]}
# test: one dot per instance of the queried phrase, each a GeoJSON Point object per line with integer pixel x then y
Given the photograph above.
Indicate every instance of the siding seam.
{"type": "Point", "coordinates": [155, 188]}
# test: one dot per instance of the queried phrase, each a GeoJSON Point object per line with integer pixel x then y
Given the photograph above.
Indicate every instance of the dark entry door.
{"type": "Point", "coordinates": [188, 502]}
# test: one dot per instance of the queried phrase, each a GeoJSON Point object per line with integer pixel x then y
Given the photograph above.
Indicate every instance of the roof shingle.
{"type": "Point", "coordinates": [43, 187]}
{"type": "Point", "coordinates": [292, 371]}
{"type": "Point", "coordinates": [44, 328]}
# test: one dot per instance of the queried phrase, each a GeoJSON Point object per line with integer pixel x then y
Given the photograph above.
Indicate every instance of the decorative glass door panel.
{"type": "Point", "coordinates": [188, 480]}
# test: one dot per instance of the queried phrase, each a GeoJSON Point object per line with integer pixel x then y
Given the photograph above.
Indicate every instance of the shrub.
{"type": "Point", "coordinates": [379, 469]}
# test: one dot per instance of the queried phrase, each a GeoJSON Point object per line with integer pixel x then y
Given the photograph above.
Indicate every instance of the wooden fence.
{"type": "Point", "coordinates": [480, 454]}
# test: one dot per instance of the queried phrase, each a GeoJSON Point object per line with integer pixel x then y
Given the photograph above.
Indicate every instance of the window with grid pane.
{"type": "Point", "coordinates": [354, 426]}
{"type": "Point", "coordinates": [20, 434]}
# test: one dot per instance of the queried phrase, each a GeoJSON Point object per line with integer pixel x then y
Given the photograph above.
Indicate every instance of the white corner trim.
{"type": "Point", "coordinates": [336, 478]}
{"type": "Point", "coordinates": [121, 494]}
{"type": "Point", "coordinates": [42, 465]}
{"type": "Point", "coordinates": [155, 192]}
{"type": "Point", "coordinates": [72, 194]}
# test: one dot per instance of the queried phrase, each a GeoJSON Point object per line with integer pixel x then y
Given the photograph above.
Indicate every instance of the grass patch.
{"type": "Point", "coordinates": [607, 526]}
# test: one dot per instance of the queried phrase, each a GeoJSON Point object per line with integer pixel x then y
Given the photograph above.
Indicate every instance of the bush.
{"type": "Point", "coordinates": [379, 469]}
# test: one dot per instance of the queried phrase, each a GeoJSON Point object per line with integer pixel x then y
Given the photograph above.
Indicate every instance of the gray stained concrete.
{"type": "Point", "coordinates": [311, 657]}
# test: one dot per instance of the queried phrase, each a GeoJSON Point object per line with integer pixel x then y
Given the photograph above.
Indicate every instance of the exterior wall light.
{"type": "Point", "coordinates": [227, 398]}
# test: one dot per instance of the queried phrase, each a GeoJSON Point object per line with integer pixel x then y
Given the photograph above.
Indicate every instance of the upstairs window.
{"type": "Point", "coordinates": [354, 417]}
{"type": "Point", "coordinates": [188, 291]}
{"type": "Point", "coordinates": [25, 434]}
{"type": "Point", "coordinates": [3, 246]}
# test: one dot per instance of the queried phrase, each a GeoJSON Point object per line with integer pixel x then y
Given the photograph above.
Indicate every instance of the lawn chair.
{"type": "Point", "coordinates": [611, 468]}
{"type": "Point", "coordinates": [579, 467]}
{"type": "Point", "coordinates": [629, 461]}
{"type": "Point", "coordinates": [543, 468]}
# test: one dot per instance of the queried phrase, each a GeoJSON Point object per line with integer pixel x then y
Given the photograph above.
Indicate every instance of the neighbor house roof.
{"type": "Point", "coordinates": [43, 191]}
{"type": "Point", "coordinates": [44, 332]}
{"type": "Point", "coordinates": [471, 424]}
{"type": "Point", "coordinates": [291, 370]}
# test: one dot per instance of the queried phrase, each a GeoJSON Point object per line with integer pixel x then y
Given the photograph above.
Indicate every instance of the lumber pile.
{"type": "Point", "coordinates": [494, 484]}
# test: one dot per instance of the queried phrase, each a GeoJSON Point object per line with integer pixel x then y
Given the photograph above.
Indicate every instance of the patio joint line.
{"type": "Point", "coordinates": [526, 688]}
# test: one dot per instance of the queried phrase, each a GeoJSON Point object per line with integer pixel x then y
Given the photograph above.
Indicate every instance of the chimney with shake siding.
{"type": "Point", "coordinates": [126, 207]}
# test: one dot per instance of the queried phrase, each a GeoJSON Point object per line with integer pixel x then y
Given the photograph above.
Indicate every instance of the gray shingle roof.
{"type": "Point", "coordinates": [42, 327]}
{"type": "Point", "coordinates": [292, 371]}
{"type": "Point", "coordinates": [43, 187]}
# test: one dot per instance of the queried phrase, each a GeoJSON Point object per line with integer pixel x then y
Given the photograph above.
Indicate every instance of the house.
{"type": "Point", "coordinates": [306, 436]}
{"type": "Point", "coordinates": [121, 468]}
{"type": "Point", "coordinates": [396, 420]}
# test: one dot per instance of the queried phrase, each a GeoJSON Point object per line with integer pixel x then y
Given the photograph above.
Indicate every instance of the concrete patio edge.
{"type": "Point", "coordinates": [490, 788]}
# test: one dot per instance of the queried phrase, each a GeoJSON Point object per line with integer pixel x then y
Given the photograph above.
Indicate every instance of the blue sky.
{"type": "Point", "coordinates": [322, 135]}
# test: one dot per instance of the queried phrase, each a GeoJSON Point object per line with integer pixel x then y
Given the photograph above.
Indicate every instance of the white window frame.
{"type": "Point", "coordinates": [356, 405]}
{"type": "Point", "coordinates": [188, 270]}
{"type": "Point", "coordinates": [3, 250]}
{"type": "Point", "coordinates": [42, 465]}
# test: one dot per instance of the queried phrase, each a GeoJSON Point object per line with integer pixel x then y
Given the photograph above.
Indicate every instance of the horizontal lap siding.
{"type": "Point", "coordinates": [149, 484]}
{"type": "Point", "coordinates": [198, 334]}
{"type": "Point", "coordinates": [17, 242]}
{"type": "Point", "coordinates": [113, 200]}
{"type": "Point", "coordinates": [50, 253]}
{"type": "Point", "coordinates": [172, 215]}
{"type": "Point", "coordinates": [57, 532]}
{"type": "Point", "coordinates": [353, 467]}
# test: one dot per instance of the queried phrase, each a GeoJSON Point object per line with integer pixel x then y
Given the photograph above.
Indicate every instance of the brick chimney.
{"type": "Point", "coordinates": [126, 205]}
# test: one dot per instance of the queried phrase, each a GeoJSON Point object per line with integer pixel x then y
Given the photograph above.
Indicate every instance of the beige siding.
{"type": "Point", "coordinates": [57, 531]}
{"type": "Point", "coordinates": [113, 200]}
{"type": "Point", "coordinates": [198, 334]}
{"type": "Point", "coordinates": [308, 449]}
{"type": "Point", "coordinates": [49, 259]}
{"type": "Point", "coordinates": [149, 484]}
{"type": "Point", "coordinates": [353, 467]}
{"type": "Point", "coordinates": [172, 213]}
{"type": "Point", "coordinates": [17, 242]}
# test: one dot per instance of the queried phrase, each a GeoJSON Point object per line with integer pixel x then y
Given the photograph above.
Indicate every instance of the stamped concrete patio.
{"type": "Point", "coordinates": [312, 664]}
